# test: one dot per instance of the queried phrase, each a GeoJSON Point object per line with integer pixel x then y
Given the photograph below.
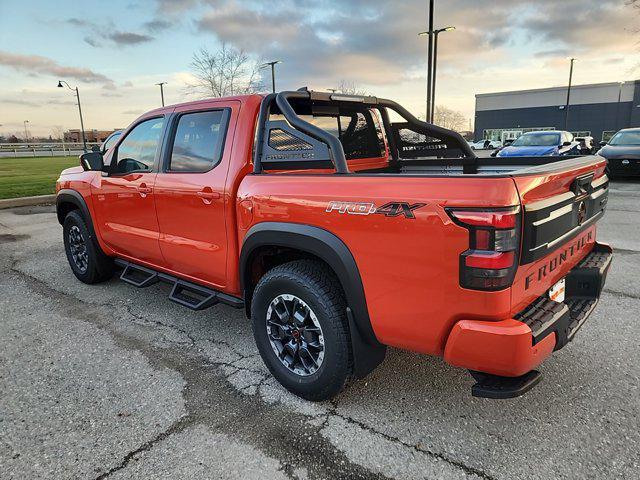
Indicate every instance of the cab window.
{"type": "Point", "coordinates": [358, 130]}
{"type": "Point", "coordinates": [137, 151]}
{"type": "Point", "coordinates": [198, 142]}
{"type": "Point", "coordinates": [111, 141]}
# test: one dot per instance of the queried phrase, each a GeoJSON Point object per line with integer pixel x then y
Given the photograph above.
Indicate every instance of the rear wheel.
{"type": "Point", "coordinates": [299, 321]}
{"type": "Point", "coordinates": [88, 262]}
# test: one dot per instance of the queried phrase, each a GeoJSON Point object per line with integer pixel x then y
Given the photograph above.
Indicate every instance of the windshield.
{"type": "Point", "coordinates": [626, 138]}
{"type": "Point", "coordinates": [537, 140]}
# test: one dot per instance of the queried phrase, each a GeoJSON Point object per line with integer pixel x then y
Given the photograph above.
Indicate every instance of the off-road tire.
{"type": "Point", "coordinates": [99, 267]}
{"type": "Point", "coordinates": [316, 285]}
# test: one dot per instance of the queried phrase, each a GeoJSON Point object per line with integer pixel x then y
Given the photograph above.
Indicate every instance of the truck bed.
{"type": "Point", "coordinates": [487, 166]}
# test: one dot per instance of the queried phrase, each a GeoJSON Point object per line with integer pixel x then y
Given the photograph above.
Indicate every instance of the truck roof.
{"type": "Point", "coordinates": [241, 98]}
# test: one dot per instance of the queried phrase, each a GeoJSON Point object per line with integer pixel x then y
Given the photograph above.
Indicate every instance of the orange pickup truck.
{"type": "Point", "coordinates": [343, 225]}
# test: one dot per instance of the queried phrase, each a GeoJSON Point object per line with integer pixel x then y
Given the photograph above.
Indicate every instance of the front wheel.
{"type": "Point", "coordinates": [299, 321]}
{"type": "Point", "coordinates": [88, 263]}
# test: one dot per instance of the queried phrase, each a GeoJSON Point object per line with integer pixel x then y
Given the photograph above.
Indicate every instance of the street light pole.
{"type": "Point", "coordinates": [429, 60]}
{"type": "Point", "coordinates": [431, 94]}
{"type": "Point", "coordinates": [84, 138]}
{"type": "Point", "coordinates": [161, 91]}
{"type": "Point", "coordinates": [435, 65]}
{"type": "Point", "coordinates": [26, 135]}
{"type": "Point", "coordinates": [618, 106]}
{"type": "Point", "coordinates": [273, 72]}
{"type": "Point", "coordinates": [566, 107]}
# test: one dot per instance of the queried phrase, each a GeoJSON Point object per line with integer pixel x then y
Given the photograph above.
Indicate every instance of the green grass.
{"type": "Point", "coordinates": [24, 177]}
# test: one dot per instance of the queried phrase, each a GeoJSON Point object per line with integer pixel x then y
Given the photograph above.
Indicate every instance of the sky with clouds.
{"type": "Point", "coordinates": [116, 51]}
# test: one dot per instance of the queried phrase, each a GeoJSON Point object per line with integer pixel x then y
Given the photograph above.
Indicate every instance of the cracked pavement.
{"type": "Point", "coordinates": [110, 381]}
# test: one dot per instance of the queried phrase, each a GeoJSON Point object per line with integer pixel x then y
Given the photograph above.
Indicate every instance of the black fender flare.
{"type": "Point", "coordinates": [66, 195]}
{"type": "Point", "coordinates": [368, 351]}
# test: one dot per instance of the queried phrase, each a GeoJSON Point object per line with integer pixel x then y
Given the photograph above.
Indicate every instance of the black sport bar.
{"type": "Point", "coordinates": [335, 146]}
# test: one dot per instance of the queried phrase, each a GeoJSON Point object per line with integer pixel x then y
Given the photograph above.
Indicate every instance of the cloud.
{"type": "Point", "coordinates": [91, 41]}
{"type": "Point", "coordinates": [17, 101]}
{"type": "Point", "coordinates": [376, 42]}
{"type": "Point", "coordinates": [108, 31]}
{"type": "Point", "coordinates": [175, 6]}
{"type": "Point", "coordinates": [157, 25]}
{"type": "Point", "coordinates": [36, 64]}
{"type": "Point", "coordinates": [128, 38]}
{"type": "Point", "coordinates": [593, 24]}
{"type": "Point", "coordinates": [370, 43]}
{"type": "Point", "coordinates": [78, 22]}
{"type": "Point", "coordinates": [558, 52]}
{"type": "Point", "coordinates": [133, 112]}
{"type": "Point", "coordinates": [61, 102]}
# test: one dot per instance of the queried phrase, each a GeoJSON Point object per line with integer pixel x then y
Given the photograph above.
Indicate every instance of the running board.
{"type": "Point", "coordinates": [497, 387]}
{"type": "Point", "coordinates": [138, 276]}
{"type": "Point", "coordinates": [187, 294]}
{"type": "Point", "coordinates": [192, 296]}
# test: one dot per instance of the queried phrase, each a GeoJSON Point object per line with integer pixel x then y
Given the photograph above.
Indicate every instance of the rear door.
{"type": "Point", "coordinates": [561, 206]}
{"type": "Point", "coordinates": [190, 190]}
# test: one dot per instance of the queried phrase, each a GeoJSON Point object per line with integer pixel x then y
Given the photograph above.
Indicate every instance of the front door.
{"type": "Point", "coordinates": [124, 199]}
{"type": "Point", "coordinates": [190, 191]}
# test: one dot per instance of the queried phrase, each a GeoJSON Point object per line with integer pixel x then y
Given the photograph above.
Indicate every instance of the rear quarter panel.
{"type": "Point", "coordinates": [409, 267]}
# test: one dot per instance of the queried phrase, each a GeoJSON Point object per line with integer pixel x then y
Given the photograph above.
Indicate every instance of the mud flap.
{"type": "Point", "coordinates": [366, 357]}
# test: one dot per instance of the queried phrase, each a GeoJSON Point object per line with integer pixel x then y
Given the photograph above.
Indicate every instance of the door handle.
{"type": "Point", "coordinates": [208, 195]}
{"type": "Point", "coordinates": [143, 190]}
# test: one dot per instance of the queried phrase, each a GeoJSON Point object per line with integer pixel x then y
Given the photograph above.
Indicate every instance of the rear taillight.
{"type": "Point", "coordinates": [491, 261]}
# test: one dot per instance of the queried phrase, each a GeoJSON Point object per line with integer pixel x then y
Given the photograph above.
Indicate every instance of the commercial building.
{"type": "Point", "coordinates": [597, 110]}
{"type": "Point", "coordinates": [92, 136]}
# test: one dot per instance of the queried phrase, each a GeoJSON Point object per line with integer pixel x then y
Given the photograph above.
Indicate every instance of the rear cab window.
{"type": "Point", "coordinates": [359, 131]}
{"type": "Point", "coordinates": [198, 141]}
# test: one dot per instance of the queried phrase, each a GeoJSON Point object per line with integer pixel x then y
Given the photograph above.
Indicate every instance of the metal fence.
{"type": "Point", "coordinates": [43, 149]}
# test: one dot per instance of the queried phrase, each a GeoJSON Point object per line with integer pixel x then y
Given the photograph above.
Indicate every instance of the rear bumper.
{"type": "Point", "coordinates": [515, 346]}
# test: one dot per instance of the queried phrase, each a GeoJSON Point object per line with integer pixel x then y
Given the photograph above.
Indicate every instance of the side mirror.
{"type": "Point", "coordinates": [566, 144]}
{"type": "Point", "coordinates": [92, 161]}
{"type": "Point", "coordinates": [603, 143]}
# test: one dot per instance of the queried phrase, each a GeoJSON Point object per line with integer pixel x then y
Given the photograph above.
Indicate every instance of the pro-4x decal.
{"type": "Point", "coordinates": [390, 209]}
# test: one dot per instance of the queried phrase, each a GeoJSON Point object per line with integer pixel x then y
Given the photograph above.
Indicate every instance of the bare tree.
{"type": "Point", "coordinates": [448, 118]}
{"type": "Point", "coordinates": [225, 72]}
{"type": "Point", "coordinates": [57, 132]}
{"type": "Point", "coordinates": [350, 88]}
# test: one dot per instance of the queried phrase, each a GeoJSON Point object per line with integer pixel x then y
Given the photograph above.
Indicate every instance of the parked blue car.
{"type": "Point", "coordinates": [542, 143]}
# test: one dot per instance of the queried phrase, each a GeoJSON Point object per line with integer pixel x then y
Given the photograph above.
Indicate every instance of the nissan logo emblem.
{"type": "Point", "coordinates": [582, 213]}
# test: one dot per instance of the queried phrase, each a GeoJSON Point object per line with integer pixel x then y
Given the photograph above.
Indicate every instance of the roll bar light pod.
{"type": "Point", "coordinates": [336, 151]}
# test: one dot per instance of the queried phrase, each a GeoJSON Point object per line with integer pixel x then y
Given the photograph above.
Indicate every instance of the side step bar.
{"type": "Point", "coordinates": [138, 276]}
{"type": "Point", "coordinates": [187, 294]}
{"type": "Point", "coordinates": [497, 387]}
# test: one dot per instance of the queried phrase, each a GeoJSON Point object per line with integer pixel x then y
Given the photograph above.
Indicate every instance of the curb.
{"type": "Point", "coordinates": [27, 201]}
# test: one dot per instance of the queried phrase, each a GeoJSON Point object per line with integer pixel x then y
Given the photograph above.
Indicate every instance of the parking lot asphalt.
{"type": "Point", "coordinates": [110, 381]}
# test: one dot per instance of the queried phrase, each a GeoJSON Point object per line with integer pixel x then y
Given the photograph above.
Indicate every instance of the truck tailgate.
{"type": "Point", "coordinates": [561, 205]}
